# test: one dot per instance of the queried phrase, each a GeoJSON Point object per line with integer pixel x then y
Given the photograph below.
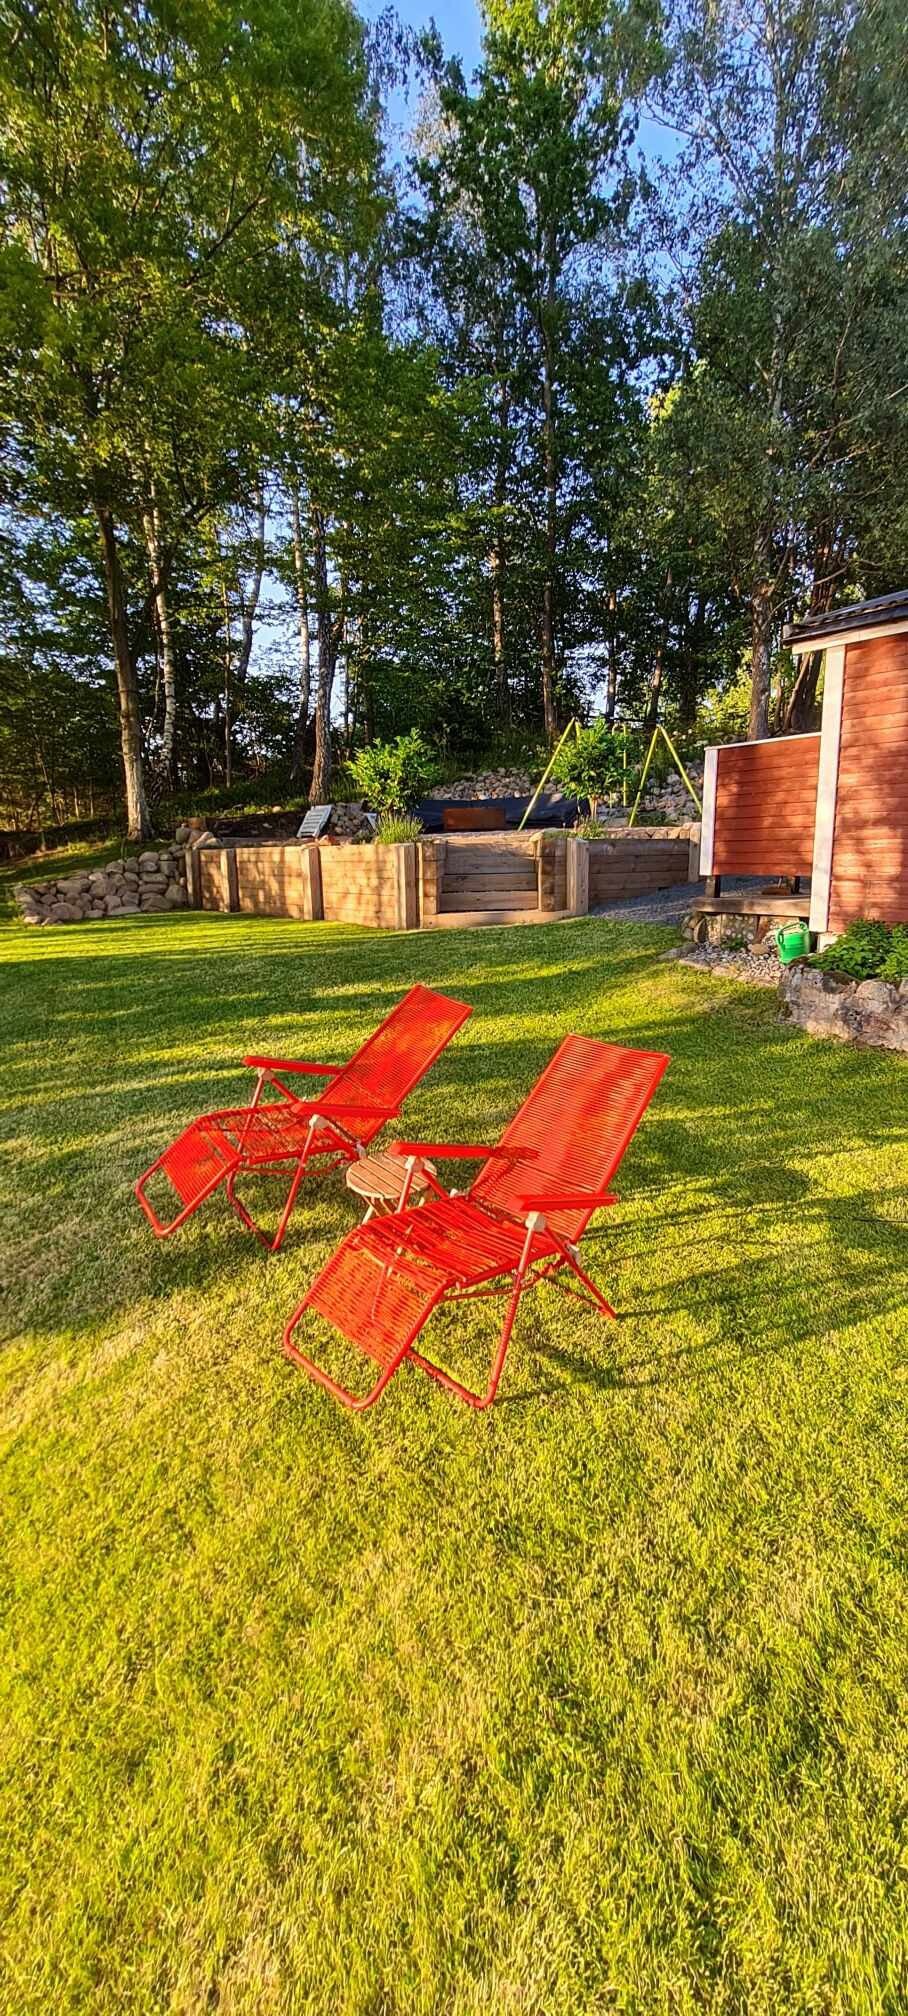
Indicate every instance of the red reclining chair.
{"type": "Point", "coordinates": [518, 1224]}
{"type": "Point", "coordinates": [360, 1098]}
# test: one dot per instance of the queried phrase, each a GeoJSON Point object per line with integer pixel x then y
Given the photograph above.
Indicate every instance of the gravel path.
{"type": "Point", "coordinates": [666, 906]}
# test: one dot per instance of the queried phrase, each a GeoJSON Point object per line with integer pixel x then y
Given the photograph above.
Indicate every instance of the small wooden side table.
{"type": "Point", "coordinates": [387, 1181]}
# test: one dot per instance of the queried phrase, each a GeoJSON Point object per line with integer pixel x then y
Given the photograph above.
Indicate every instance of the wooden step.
{"type": "Point", "coordinates": [488, 899]}
{"type": "Point", "coordinates": [467, 853]}
{"type": "Point", "coordinates": [467, 920]}
{"type": "Point", "coordinates": [776, 905]}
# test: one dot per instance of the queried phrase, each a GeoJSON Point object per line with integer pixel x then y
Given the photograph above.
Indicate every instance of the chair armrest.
{"type": "Point", "coordinates": [565, 1200]}
{"type": "Point", "coordinates": [286, 1064]}
{"type": "Point", "coordinates": [360, 1108]}
{"type": "Point", "coordinates": [459, 1151]}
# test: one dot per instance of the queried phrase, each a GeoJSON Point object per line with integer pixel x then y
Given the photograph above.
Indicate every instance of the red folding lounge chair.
{"type": "Point", "coordinates": [518, 1224]}
{"type": "Point", "coordinates": [360, 1098]}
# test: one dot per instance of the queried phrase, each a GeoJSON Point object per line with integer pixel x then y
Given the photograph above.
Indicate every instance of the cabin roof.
{"type": "Point", "coordinates": [877, 614]}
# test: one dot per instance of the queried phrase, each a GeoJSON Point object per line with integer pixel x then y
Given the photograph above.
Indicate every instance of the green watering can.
{"type": "Point", "coordinates": [792, 942]}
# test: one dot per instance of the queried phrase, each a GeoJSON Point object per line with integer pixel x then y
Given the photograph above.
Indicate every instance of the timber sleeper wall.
{"type": "Point", "coordinates": [397, 888]}
{"type": "Point", "coordinates": [371, 885]}
{"type": "Point", "coordinates": [637, 862]}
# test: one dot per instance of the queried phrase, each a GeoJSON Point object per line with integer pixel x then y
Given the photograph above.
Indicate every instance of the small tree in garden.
{"type": "Point", "coordinates": [393, 776]}
{"type": "Point", "coordinates": [591, 764]}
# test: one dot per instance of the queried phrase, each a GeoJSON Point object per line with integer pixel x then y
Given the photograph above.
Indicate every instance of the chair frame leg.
{"type": "Point", "coordinates": [274, 1244]}
{"type": "Point", "coordinates": [524, 1279]}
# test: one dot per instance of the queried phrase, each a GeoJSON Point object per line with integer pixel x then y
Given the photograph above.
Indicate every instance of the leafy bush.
{"type": "Point", "coordinates": [860, 953]}
{"type": "Point", "coordinates": [895, 964]}
{"type": "Point", "coordinates": [396, 826]}
{"type": "Point", "coordinates": [393, 776]}
{"type": "Point", "coordinates": [724, 714]}
{"type": "Point", "coordinates": [591, 764]}
{"type": "Point", "coordinates": [590, 829]}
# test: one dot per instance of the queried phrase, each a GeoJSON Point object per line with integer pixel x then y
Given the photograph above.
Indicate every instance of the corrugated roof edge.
{"type": "Point", "coordinates": [881, 609]}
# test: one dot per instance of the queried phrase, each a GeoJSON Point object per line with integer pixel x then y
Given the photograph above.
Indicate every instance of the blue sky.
{"type": "Point", "coordinates": [460, 27]}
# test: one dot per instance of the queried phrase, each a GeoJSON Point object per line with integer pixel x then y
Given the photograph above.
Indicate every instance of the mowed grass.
{"type": "Point", "coordinates": [596, 1702]}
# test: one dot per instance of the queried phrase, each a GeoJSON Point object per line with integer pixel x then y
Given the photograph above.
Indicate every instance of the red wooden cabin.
{"type": "Point", "coordinates": [832, 806]}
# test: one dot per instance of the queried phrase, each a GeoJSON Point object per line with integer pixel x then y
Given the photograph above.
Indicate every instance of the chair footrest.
{"type": "Point", "coordinates": [379, 1306]}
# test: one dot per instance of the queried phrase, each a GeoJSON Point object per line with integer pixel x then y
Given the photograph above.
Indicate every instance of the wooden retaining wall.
{"type": "Point", "coordinates": [371, 885]}
{"type": "Point", "coordinates": [397, 888]}
{"type": "Point", "coordinates": [636, 861]}
{"type": "Point", "coordinates": [262, 881]}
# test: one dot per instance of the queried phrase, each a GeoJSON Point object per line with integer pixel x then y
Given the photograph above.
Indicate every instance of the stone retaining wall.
{"type": "Point", "coordinates": [138, 884]}
{"type": "Point", "coordinates": [873, 1012]}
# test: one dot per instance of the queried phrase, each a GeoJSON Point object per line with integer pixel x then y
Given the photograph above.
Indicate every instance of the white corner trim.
{"type": "Point", "coordinates": [827, 783]}
{"type": "Point", "coordinates": [801, 647]}
{"type": "Point", "coordinates": [708, 819]}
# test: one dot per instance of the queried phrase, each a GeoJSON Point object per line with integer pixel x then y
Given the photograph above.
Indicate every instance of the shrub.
{"type": "Point", "coordinates": [895, 964]}
{"type": "Point", "coordinates": [861, 951]}
{"type": "Point", "coordinates": [591, 764]}
{"type": "Point", "coordinates": [590, 829]}
{"type": "Point", "coordinates": [396, 826]}
{"type": "Point", "coordinates": [393, 776]}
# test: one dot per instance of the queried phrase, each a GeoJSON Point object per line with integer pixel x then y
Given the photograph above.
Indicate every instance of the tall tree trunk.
{"type": "Point", "coordinates": [611, 686]}
{"type": "Point", "coordinates": [760, 659]}
{"type": "Point", "coordinates": [551, 547]}
{"type": "Point", "coordinates": [138, 821]}
{"type": "Point", "coordinates": [151, 521]}
{"type": "Point", "coordinates": [249, 602]}
{"type": "Point", "coordinates": [551, 491]}
{"type": "Point", "coordinates": [320, 786]}
{"type": "Point", "coordinates": [799, 713]}
{"type": "Point", "coordinates": [655, 688]}
{"type": "Point", "coordinates": [497, 557]}
{"type": "Point", "coordinates": [302, 602]}
{"type": "Point", "coordinates": [228, 687]}
{"type": "Point", "coordinates": [690, 657]}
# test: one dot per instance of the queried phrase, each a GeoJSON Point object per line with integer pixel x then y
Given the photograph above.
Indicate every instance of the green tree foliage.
{"type": "Point", "coordinates": [156, 165]}
{"type": "Point", "coordinates": [393, 776]}
{"type": "Point", "coordinates": [592, 763]}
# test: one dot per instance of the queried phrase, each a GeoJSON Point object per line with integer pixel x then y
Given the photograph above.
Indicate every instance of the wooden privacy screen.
{"type": "Point", "coordinates": [870, 841]}
{"type": "Point", "coordinates": [766, 797]}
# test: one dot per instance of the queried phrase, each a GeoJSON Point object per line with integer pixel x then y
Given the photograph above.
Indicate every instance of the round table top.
{"type": "Point", "coordinates": [384, 1176]}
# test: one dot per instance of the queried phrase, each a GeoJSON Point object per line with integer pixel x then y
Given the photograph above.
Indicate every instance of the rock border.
{"type": "Point", "coordinates": [138, 885]}
{"type": "Point", "coordinates": [870, 1012]}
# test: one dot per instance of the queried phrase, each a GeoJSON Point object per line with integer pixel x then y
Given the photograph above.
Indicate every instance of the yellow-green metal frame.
{"type": "Point", "coordinates": [657, 731]}
{"type": "Point", "coordinates": [572, 726]}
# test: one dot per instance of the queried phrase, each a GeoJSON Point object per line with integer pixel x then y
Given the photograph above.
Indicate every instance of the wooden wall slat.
{"type": "Point", "coordinates": [869, 875]}
{"type": "Point", "coordinates": [766, 794]}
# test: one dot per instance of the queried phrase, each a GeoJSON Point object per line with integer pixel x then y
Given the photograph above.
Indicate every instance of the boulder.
{"type": "Point", "coordinates": [875, 997]}
{"type": "Point", "coordinates": [65, 913]}
{"type": "Point", "coordinates": [873, 1012]}
{"type": "Point", "coordinates": [181, 836]}
{"type": "Point", "coordinates": [175, 898]}
{"type": "Point", "coordinates": [149, 859]}
{"type": "Point", "coordinates": [153, 902]}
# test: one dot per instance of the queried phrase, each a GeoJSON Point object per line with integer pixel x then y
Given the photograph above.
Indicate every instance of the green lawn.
{"type": "Point", "coordinates": [593, 1703]}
